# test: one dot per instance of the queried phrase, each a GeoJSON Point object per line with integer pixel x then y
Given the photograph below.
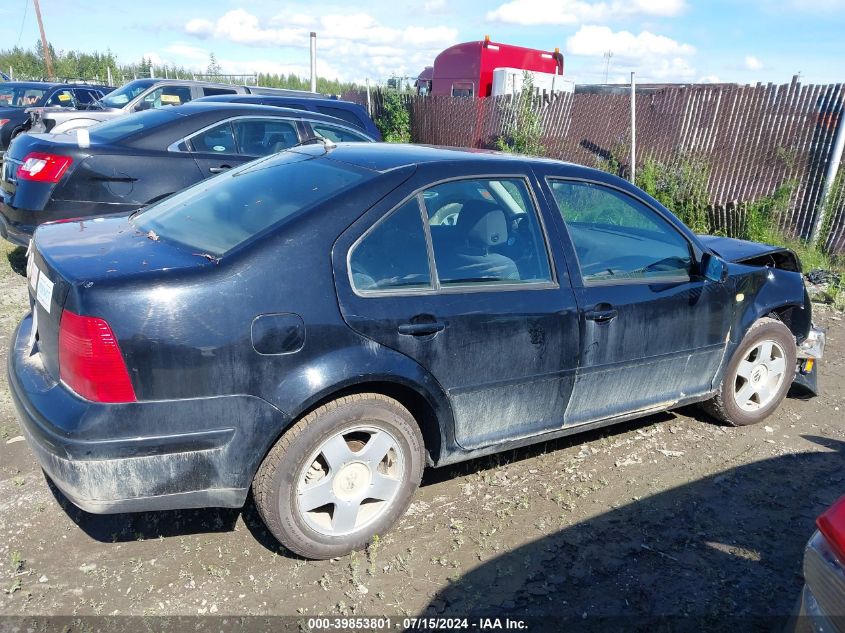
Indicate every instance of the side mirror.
{"type": "Point", "coordinates": [713, 268]}
{"type": "Point", "coordinates": [143, 105]}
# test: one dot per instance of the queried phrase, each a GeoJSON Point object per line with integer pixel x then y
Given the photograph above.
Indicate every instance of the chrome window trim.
{"type": "Point", "coordinates": [435, 287]}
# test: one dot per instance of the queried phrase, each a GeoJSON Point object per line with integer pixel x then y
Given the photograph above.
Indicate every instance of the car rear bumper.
{"type": "Point", "coordinates": [199, 452]}
{"type": "Point", "coordinates": [822, 605]}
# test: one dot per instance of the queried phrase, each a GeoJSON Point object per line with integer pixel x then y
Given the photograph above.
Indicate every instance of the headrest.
{"type": "Point", "coordinates": [482, 223]}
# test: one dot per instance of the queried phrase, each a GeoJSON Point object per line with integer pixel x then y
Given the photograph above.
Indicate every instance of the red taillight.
{"type": "Point", "coordinates": [3, 122]}
{"type": "Point", "coordinates": [832, 526]}
{"type": "Point", "coordinates": [90, 361]}
{"type": "Point", "coordinates": [43, 167]}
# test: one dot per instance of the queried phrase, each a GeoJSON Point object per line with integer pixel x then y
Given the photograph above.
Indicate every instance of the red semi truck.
{"type": "Point", "coordinates": [471, 69]}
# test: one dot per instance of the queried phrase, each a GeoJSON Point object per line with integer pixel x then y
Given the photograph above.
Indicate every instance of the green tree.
{"type": "Point", "coordinates": [395, 121]}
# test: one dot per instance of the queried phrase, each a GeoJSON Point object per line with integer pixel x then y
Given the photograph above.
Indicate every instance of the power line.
{"type": "Point", "coordinates": [23, 21]}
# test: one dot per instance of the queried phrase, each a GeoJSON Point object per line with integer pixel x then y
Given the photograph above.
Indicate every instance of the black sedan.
{"type": "Point", "coordinates": [119, 165]}
{"type": "Point", "coordinates": [320, 324]}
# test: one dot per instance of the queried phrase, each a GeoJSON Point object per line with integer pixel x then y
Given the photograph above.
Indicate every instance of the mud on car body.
{"type": "Point", "coordinates": [321, 324]}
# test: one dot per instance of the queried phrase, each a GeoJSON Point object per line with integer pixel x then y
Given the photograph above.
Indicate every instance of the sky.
{"type": "Point", "coordinates": [743, 41]}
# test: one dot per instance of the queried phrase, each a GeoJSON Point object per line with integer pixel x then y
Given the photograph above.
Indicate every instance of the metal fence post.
{"type": "Point", "coordinates": [633, 129]}
{"type": "Point", "coordinates": [829, 177]}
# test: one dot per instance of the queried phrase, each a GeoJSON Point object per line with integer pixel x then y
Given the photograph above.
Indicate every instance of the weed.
{"type": "Point", "coordinates": [372, 554]}
{"type": "Point", "coordinates": [523, 127]}
{"type": "Point", "coordinates": [17, 560]}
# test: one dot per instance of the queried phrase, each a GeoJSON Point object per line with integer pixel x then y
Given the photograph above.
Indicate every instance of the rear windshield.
{"type": "Point", "coordinates": [218, 214]}
{"type": "Point", "coordinates": [123, 127]}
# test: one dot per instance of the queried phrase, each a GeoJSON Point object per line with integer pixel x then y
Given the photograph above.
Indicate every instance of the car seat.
{"type": "Point", "coordinates": [480, 227]}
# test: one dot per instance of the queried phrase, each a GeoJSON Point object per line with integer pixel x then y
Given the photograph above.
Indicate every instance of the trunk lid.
{"type": "Point", "coordinates": [71, 259]}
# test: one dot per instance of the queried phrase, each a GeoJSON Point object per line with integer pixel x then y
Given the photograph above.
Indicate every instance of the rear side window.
{"type": "Point", "coordinates": [343, 115]}
{"type": "Point", "coordinates": [216, 215]}
{"type": "Point", "coordinates": [482, 231]}
{"type": "Point", "coordinates": [617, 238]}
{"type": "Point", "coordinates": [393, 255]}
{"type": "Point", "coordinates": [486, 231]}
{"type": "Point", "coordinates": [208, 92]}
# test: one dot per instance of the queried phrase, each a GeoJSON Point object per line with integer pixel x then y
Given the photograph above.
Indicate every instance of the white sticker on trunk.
{"type": "Point", "coordinates": [32, 274]}
{"type": "Point", "coordinates": [44, 293]}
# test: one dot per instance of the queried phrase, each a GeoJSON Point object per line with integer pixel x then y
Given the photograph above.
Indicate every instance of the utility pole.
{"type": "Point", "coordinates": [44, 45]}
{"type": "Point", "coordinates": [313, 61]}
{"type": "Point", "coordinates": [633, 129]}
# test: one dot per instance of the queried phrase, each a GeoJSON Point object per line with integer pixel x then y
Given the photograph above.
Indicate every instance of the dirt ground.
{"type": "Point", "coordinates": [671, 515]}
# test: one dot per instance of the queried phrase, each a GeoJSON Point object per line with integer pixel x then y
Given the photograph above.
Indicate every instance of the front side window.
{"type": "Point", "coordinates": [61, 98]}
{"type": "Point", "coordinates": [216, 140]}
{"type": "Point", "coordinates": [337, 134]}
{"type": "Point", "coordinates": [393, 255]}
{"type": "Point", "coordinates": [165, 96]}
{"type": "Point", "coordinates": [618, 238]}
{"type": "Point", "coordinates": [482, 232]}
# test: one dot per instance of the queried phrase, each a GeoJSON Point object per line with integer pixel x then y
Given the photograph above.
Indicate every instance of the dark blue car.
{"type": "Point", "coordinates": [321, 324]}
{"type": "Point", "coordinates": [348, 111]}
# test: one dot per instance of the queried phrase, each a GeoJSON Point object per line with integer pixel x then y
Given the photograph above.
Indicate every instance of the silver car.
{"type": "Point", "coordinates": [822, 605]}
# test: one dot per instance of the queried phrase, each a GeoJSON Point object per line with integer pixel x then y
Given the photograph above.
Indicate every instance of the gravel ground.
{"type": "Point", "coordinates": [671, 515]}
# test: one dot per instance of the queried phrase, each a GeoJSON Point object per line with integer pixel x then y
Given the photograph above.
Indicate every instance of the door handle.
{"type": "Point", "coordinates": [421, 329]}
{"type": "Point", "coordinates": [601, 316]}
{"type": "Point", "coordinates": [219, 170]}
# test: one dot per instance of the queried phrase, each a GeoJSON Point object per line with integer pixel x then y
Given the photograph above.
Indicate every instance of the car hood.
{"type": "Point", "coordinates": [735, 250]}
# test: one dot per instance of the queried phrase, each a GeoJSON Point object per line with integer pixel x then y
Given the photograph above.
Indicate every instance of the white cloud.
{"type": "Point", "coordinates": [752, 63]}
{"type": "Point", "coordinates": [709, 79]}
{"type": "Point", "coordinates": [597, 40]}
{"type": "Point", "coordinates": [186, 51]}
{"type": "Point", "coordinates": [367, 47]}
{"type": "Point", "coordinates": [570, 12]}
{"type": "Point", "coordinates": [655, 58]}
{"type": "Point", "coordinates": [434, 6]}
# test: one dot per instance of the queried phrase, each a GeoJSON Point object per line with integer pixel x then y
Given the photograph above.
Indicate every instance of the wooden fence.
{"type": "Point", "coordinates": [753, 138]}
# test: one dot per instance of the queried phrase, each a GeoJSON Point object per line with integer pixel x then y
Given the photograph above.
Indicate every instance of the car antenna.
{"type": "Point", "coordinates": [328, 144]}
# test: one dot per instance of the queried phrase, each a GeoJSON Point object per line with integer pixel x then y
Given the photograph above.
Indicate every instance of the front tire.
{"type": "Point", "coordinates": [757, 377]}
{"type": "Point", "coordinates": [340, 475]}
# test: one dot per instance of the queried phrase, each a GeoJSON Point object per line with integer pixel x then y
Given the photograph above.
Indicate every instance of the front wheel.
{"type": "Point", "coordinates": [757, 377]}
{"type": "Point", "coordinates": [340, 475]}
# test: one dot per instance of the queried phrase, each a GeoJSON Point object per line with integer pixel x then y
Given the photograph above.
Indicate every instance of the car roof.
{"type": "Point", "coordinates": [237, 98]}
{"type": "Point", "coordinates": [386, 156]}
{"type": "Point", "coordinates": [235, 109]}
{"type": "Point", "coordinates": [30, 84]}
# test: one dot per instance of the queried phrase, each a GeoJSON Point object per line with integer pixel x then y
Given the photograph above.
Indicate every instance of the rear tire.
{"type": "Point", "coordinates": [342, 474]}
{"type": "Point", "coordinates": [757, 377]}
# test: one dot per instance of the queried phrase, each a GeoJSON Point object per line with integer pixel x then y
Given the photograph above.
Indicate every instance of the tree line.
{"type": "Point", "coordinates": [29, 63]}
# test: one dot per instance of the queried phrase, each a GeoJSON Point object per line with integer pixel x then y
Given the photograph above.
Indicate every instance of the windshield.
{"type": "Point", "coordinates": [218, 214]}
{"type": "Point", "coordinates": [19, 96]}
{"type": "Point", "coordinates": [118, 129]}
{"type": "Point", "coordinates": [123, 95]}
